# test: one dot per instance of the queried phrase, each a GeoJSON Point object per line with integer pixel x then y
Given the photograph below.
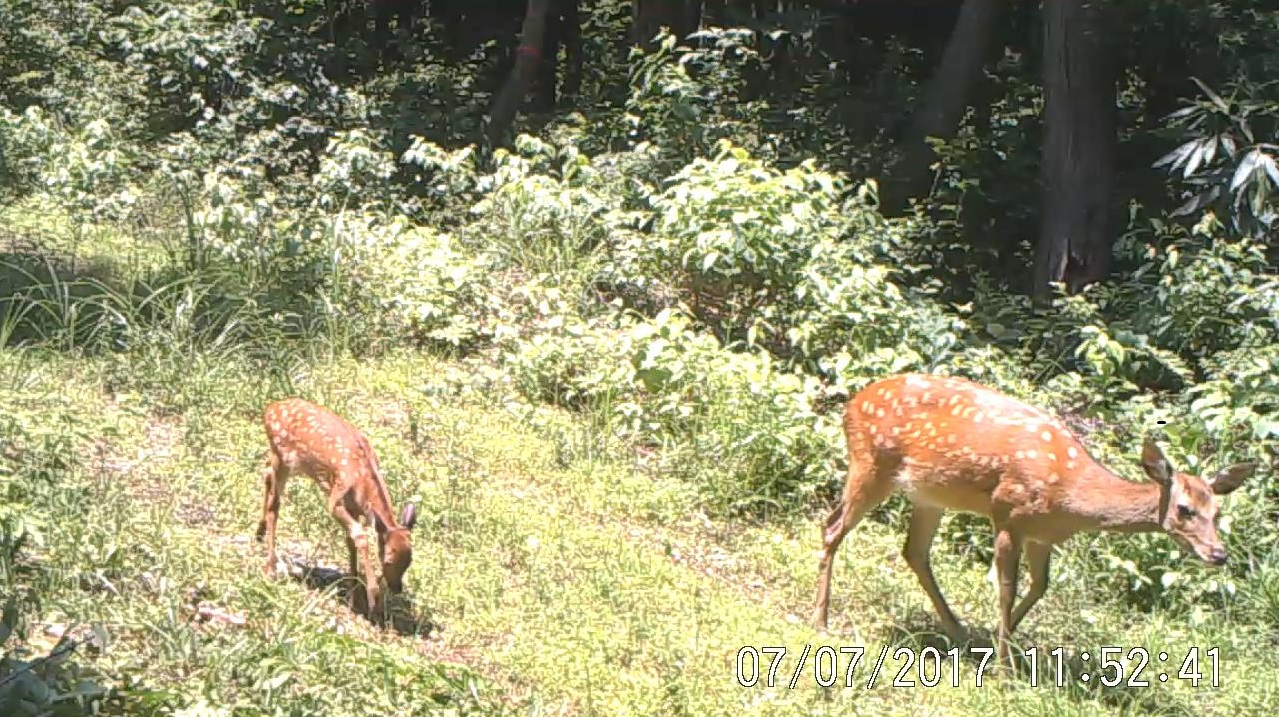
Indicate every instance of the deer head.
{"type": "Point", "coordinates": [395, 549]}
{"type": "Point", "coordinates": [1188, 503]}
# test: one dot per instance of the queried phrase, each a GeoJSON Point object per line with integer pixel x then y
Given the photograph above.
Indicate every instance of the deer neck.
{"type": "Point", "coordinates": [378, 504]}
{"type": "Point", "coordinates": [1121, 506]}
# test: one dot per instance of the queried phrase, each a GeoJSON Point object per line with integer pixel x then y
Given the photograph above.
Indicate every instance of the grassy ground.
{"type": "Point", "coordinates": [556, 574]}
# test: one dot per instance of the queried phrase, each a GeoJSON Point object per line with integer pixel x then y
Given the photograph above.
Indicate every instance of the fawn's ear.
{"type": "Point", "coordinates": [1227, 480]}
{"type": "Point", "coordinates": [408, 516]}
{"type": "Point", "coordinates": [1155, 463]}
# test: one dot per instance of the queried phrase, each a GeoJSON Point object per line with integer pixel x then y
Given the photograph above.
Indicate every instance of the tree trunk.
{"type": "Point", "coordinates": [714, 13]}
{"type": "Point", "coordinates": [692, 15]}
{"type": "Point", "coordinates": [449, 14]}
{"type": "Point", "coordinates": [507, 102]}
{"type": "Point", "coordinates": [942, 106]}
{"type": "Point", "coordinates": [544, 89]}
{"type": "Point", "coordinates": [572, 49]}
{"type": "Point", "coordinates": [1076, 231]}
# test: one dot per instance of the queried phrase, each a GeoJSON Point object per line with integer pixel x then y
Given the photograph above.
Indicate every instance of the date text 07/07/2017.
{"type": "Point", "coordinates": [848, 666]}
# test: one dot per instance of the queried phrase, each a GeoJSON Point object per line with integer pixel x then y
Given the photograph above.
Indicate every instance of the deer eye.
{"type": "Point", "coordinates": [1185, 512]}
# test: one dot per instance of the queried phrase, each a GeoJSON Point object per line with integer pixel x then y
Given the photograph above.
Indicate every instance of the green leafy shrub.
{"type": "Point", "coordinates": [52, 684]}
{"type": "Point", "coordinates": [93, 168]}
{"type": "Point", "coordinates": [783, 260]}
{"type": "Point", "coordinates": [541, 210]}
{"type": "Point", "coordinates": [411, 282]}
{"type": "Point", "coordinates": [744, 431]}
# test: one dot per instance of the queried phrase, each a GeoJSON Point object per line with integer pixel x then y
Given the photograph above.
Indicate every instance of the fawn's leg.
{"type": "Point", "coordinates": [864, 489]}
{"type": "Point", "coordinates": [274, 477]}
{"type": "Point", "coordinates": [358, 543]}
{"type": "Point", "coordinates": [357, 597]}
{"type": "Point", "coordinates": [924, 520]}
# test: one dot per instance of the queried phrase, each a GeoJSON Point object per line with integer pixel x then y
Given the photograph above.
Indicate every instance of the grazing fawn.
{"type": "Point", "coordinates": [951, 444]}
{"type": "Point", "coordinates": [312, 440]}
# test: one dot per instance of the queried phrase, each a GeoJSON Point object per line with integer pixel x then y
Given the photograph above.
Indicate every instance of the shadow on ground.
{"type": "Point", "coordinates": [404, 617]}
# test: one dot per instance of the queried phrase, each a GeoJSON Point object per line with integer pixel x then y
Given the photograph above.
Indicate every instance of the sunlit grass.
{"type": "Point", "coordinates": [555, 581]}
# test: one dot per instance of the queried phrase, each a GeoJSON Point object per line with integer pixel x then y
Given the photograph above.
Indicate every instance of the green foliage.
{"type": "Point", "coordinates": [541, 210]}
{"type": "Point", "coordinates": [785, 260]}
{"type": "Point", "coordinates": [742, 430]}
{"type": "Point", "coordinates": [1215, 138]}
{"type": "Point", "coordinates": [407, 282]}
{"type": "Point", "coordinates": [38, 484]}
{"type": "Point", "coordinates": [52, 684]}
{"type": "Point", "coordinates": [192, 57]}
{"type": "Point", "coordinates": [1227, 159]}
{"type": "Point", "coordinates": [686, 99]}
{"type": "Point", "coordinates": [93, 167]}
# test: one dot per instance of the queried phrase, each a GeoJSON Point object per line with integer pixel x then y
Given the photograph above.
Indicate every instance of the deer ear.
{"type": "Point", "coordinates": [1227, 480]}
{"type": "Point", "coordinates": [1153, 461]}
{"type": "Point", "coordinates": [408, 516]}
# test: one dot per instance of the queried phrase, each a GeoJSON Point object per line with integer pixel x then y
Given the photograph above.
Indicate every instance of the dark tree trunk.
{"type": "Point", "coordinates": [714, 12]}
{"type": "Point", "coordinates": [506, 105]}
{"type": "Point", "coordinates": [548, 69]}
{"type": "Point", "coordinates": [449, 14]}
{"type": "Point", "coordinates": [408, 15]}
{"type": "Point", "coordinates": [382, 28]}
{"type": "Point", "coordinates": [944, 100]}
{"type": "Point", "coordinates": [572, 49]}
{"type": "Point", "coordinates": [844, 37]}
{"type": "Point", "coordinates": [693, 15]}
{"type": "Point", "coordinates": [1076, 231]}
{"type": "Point", "coordinates": [649, 16]}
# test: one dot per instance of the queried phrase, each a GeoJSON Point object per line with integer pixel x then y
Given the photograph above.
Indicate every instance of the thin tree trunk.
{"type": "Point", "coordinates": [449, 14]}
{"type": "Point", "coordinates": [942, 106]}
{"type": "Point", "coordinates": [382, 29]}
{"type": "Point", "coordinates": [692, 15]}
{"type": "Point", "coordinates": [714, 13]}
{"type": "Point", "coordinates": [408, 15]}
{"type": "Point", "coordinates": [506, 105]}
{"type": "Point", "coordinates": [1076, 231]}
{"type": "Point", "coordinates": [572, 49]}
{"type": "Point", "coordinates": [544, 85]}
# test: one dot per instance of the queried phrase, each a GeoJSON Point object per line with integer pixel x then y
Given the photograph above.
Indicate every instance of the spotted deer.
{"type": "Point", "coordinates": [308, 439]}
{"type": "Point", "coordinates": [952, 444]}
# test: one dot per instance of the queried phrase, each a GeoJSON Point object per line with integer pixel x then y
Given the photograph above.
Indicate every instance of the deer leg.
{"type": "Point", "coordinates": [357, 542]}
{"type": "Point", "coordinates": [924, 520]}
{"type": "Point", "coordinates": [1007, 555]}
{"type": "Point", "coordinates": [357, 598]}
{"type": "Point", "coordinates": [863, 491]}
{"type": "Point", "coordinates": [274, 477]}
{"type": "Point", "coordinates": [1038, 556]}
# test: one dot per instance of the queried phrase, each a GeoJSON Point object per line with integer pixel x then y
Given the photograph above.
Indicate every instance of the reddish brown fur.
{"type": "Point", "coordinates": [951, 444]}
{"type": "Point", "coordinates": [312, 440]}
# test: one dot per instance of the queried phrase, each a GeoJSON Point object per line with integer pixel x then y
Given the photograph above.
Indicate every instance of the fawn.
{"type": "Point", "coordinates": [952, 444]}
{"type": "Point", "coordinates": [310, 439]}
